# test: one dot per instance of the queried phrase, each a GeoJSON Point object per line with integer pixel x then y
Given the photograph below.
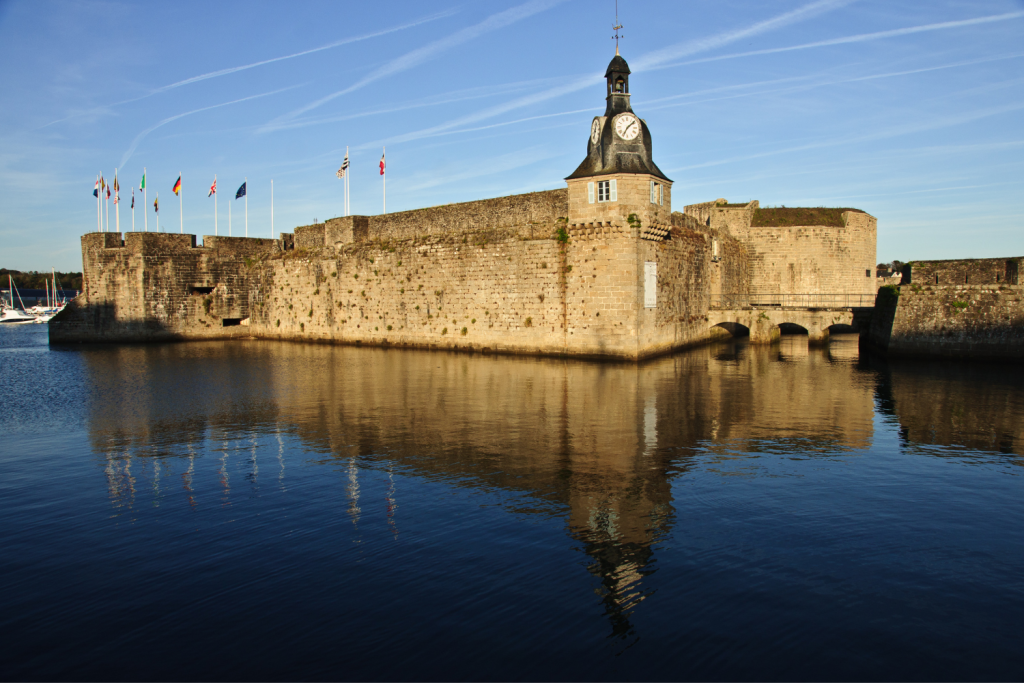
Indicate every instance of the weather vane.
{"type": "Point", "coordinates": [617, 27]}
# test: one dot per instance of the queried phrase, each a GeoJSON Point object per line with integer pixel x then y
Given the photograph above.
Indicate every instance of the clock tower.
{"type": "Point", "coordinates": [619, 178]}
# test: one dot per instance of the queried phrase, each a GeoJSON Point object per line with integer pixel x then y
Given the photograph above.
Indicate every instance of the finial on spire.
{"type": "Point", "coordinates": [616, 28]}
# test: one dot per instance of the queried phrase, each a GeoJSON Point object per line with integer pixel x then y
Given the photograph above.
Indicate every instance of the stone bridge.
{"type": "Point", "coordinates": [766, 316]}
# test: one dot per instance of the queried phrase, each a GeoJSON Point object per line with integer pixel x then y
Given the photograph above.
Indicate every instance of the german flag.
{"type": "Point", "coordinates": [177, 186]}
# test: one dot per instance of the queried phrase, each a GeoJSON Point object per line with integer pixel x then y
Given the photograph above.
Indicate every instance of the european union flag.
{"type": "Point", "coordinates": [241, 192]}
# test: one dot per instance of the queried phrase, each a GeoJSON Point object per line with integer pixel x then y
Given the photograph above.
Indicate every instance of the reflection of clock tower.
{"type": "Point", "coordinates": [619, 177]}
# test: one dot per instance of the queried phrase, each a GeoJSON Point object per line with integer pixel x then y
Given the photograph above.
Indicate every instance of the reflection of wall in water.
{"type": "Point", "coordinates": [953, 404]}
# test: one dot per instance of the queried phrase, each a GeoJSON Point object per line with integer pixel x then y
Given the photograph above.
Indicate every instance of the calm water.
{"type": "Point", "coordinates": [259, 510]}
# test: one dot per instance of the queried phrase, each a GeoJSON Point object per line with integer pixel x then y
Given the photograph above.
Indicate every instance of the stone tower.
{"type": "Point", "coordinates": [619, 178]}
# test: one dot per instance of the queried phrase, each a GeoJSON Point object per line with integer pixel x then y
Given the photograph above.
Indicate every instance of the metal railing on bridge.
{"type": "Point", "coordinates": [730, 301]}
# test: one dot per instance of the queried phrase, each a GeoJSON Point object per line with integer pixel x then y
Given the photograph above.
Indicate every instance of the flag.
{"type": "Point", "coordinates": [382, 163]}
{"type": "Point", "coordinates": [344, 167]}
{"type": "Point", "coordinates": [103, 183]}
{"type": "Point", "coordinates": [96, 189]}
{"type": "Point", "coordinates": [213, 188]}
{"type": "Point", "coordinates": [116, 197]}
{"type": "Point", "coordinates": [142, 185]}
{"type": "Point", "coordinates": [108, 191]}
{"type": "Point", "coordinates": [177, 186]}
{"type": "Point", "coordinates": [156, 205]}
{"type": "Point", "coordinates": [241, 192]}
{"type": "Point", "coordinates": [116, 186]}
{"type": "Point", "coordinates": [133, 199]}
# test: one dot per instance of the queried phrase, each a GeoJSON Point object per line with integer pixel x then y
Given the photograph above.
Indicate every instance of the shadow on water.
{"type": "Point", "coordinates": [528, 518]}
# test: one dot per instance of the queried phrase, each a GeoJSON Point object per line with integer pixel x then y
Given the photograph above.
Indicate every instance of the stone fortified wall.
{"type": "Point", "coordinates": [799, 251]}
{"type": "Point", "coordinates": [506, 275]}
{"type": "Point", "coordinates": [147, 286]}
{"type": "Point", "coordinates": [978, 314]}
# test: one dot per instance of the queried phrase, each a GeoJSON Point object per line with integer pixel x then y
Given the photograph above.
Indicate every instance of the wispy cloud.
{"type": "Point", "coordinates": [429, 51]}
{"type": "Point", "coordinates": [860, 38]}
{"type": "Point", "coordinates": [141, 136]}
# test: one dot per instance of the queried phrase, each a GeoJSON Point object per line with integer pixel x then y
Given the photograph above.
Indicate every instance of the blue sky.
{"type": "Point", "coordinates": [911, 111]}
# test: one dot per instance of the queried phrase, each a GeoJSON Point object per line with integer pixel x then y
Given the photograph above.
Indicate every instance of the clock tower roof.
{"type": "Point", "coordinates": [619, 141]}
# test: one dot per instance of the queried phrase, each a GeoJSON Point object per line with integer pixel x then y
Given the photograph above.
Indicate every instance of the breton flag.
{"type": "Point", "coordinates": [96, 189]}
{"type": "Point", "coordinates": [142, 185]}
{"type": "Point", "coordinates": [382, 163]}
{"type": "Point", "coordinates": [177, 186]}
{"type": "Point", "coordinates": [213, 188]}
{"type": "Point", "coordinates": [241, 192]}
{"type": "Point", "coordinates": [344, 167]}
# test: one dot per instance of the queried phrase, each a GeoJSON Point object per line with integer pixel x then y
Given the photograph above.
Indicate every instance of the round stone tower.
{"type": "Point", "coordinates": [619, 177]}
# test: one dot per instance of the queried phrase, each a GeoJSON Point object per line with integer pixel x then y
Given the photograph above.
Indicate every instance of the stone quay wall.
{"type": "Point", "coordinates": [145, 286]}
{"type": "Point", "coordinates": [952, 321]}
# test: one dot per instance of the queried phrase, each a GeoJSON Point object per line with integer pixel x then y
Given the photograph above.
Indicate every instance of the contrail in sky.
{"type": "Point", "coordinates": [854, 39]}
{"type": "Point", "coordinates": [235, 69]}
{"type": "Point", "coordinates": [422, 54]}
{"type": "Point", "coordinates": [646, 61]}
{"type": "Point", "coordinates": [344, 41]}
{"type": "Point", "coordinates": [143, 134]}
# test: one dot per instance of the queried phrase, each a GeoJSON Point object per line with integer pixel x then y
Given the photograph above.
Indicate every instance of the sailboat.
{"type": "Point", "coordinates": [54, 304]}
{"type": "Point", "coordinates": [12, 315]}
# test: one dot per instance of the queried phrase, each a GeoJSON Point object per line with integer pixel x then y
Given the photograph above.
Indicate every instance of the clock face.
{"type": "Point", "coordinates": [595, 131]}
{"type": "Point", "coordinates": [627, 126]}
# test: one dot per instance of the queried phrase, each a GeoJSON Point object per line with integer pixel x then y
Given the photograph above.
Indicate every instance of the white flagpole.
{"type": "Point", "coordinates": [214, 203]}
{"type": "Point", "coordinates": [145, 205]}
{"type": "Point", "coordinates": [106, 209]}
{"type": "Point", "coordinates": [271, 208]}
{"type": "Point", "coordinates": [181, 214]}
{"type": "Point", "coordinates": [246, 207]}
{"type": "Point", "coordinates": [117, 203]}
{"type": "Point", "coordinates": [157, 211]}
{"type": "Point", "coordinates": [229, 219]}
{"type": "Point", "coordinates": [133, 208]}
{"type": "Point", "coordinates": [384, 176]}
{"type": "Point", "coordinates": [99, 214]}
{"type": "Point", "coordinates": [347, 170]}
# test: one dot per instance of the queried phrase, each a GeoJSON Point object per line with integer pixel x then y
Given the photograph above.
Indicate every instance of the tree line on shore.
{"type": "Point", "coordinates": [35, 280]}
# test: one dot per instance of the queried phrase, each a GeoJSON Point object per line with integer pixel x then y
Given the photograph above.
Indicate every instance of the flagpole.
{"type": "Point", "coordinates": [215, 204]}
{"type": "Point", "coordinates": [117, 203]}
{"type": "Point", "coordinates": [133, 208]}
{"type": "Point", "coordinates": [246, 207]}
{"type": "Point", "coordinates": [99, 214]}
{"type": "Point", "coordinates": [181, 215]}
{"type": "Point", "coordinates": [229, 217]}
{"type": "Point", "coordinates": [271, 208]}
{"type": "Point", "coordinates": [347, 211]}
{"type": "Point", "coordinates": [156, 210]}
{"type": "Point", "coordinates": [106, 209]}
{"type": "Point", "coordinates": [384, 176]}
{"type": "Point", "coordinates": [145, 204]}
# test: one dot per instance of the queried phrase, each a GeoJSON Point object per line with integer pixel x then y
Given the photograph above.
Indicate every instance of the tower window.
{"type": "Point", "coordinates": [607, 191]}
{"type": "Point", "coordinates": [620, 85]}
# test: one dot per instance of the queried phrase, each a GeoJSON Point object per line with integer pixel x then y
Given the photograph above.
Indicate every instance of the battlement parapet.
{"type": "Point", "coordinates": [984, 271]}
